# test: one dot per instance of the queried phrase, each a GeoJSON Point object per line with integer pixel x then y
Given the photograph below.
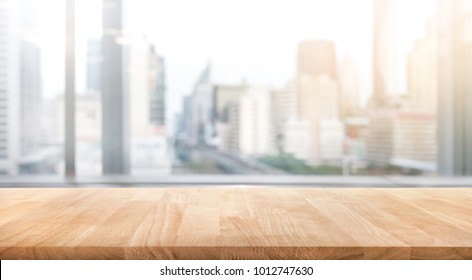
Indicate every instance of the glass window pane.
{"type": "Point", "coordinates": [31, 87]}
{"type": "Point", "coordinates": [286, 87]}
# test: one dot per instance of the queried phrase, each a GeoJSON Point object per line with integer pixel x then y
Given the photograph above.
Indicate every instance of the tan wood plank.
{"type": "Point", "coordinates": [236, 223]}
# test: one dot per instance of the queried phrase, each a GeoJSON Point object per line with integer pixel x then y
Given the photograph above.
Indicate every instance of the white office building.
{"type": "Point", "coordinates": [249, 131]}
{"type": "Point", "coordinates": [9, 89]}
{"type": "Point", "coordinates": [319, 106]}
{"type": "Point", "coordinates": [150, 147]}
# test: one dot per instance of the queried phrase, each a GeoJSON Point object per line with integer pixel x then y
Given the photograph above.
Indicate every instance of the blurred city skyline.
{"type": "Point", "coordinates": [234, 38]}
{"type": "Point", "coordinates": [185, 87]}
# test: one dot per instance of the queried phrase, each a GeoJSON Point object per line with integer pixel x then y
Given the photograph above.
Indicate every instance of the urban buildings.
{"type": "Point", "coordinates": [284, 110]}
{"type": "Point", "coordinates": [455, 87]}
{"type": "Point", "coordinates": [308, 117]}
{"type": "Point", "coordinates": [317, 58]}
{"type": "Point", "coordinates": [355, 146]}
{"type": "Point", "coordinates": [226, 98]}
{"type": "Point", "coordinates": [184, 126]}
{"type": "Point", "coordinates": [233, 128]}
{"type": "Point", "coordinates": [21, 150]}
{"type": "Point", "coordinates": [225, 95]}
{"type": "Point", "coordinates": [9, 89]}
{"type": "Point", "coordinates": [202, 118]}
{"type": "Point", "coordinates": [385, 58]}
{"type": "Point", "coordinates": [150, 150]}
{"type": "Point", "coordinates": [423, 72]}
{"type": "Point", "coordinates": [297, 139]}
{"type": "Point", "coordinates": [255, 127]}
{"type": "Point", "coordinates": [402, 129]}
{"type": "Point", "coordinates": [158, 89]}
{"type": "Point", "coordinates": [33, 159]}
{"type": "Point", "coordinates": [402, 139]}
{"type": "Point", "coordinates": [302, 118]}
{"type": "Point", "coordinates": [318, 101]}
{"type": "Point", "coordinates": [349, 88]}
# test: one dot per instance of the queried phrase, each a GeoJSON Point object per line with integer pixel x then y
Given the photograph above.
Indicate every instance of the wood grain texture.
{"type": "Point", "coordinates": [235, 223]}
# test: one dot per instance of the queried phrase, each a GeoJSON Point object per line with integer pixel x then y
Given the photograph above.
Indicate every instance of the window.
{"type": "Point", "coordinates": [162, 88]}
{"type": "Point", "coordinates": [31, 85]}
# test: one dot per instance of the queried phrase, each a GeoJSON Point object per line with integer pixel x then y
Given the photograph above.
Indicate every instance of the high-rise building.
{"type": "Point", "coordinates": [32, 159]}
{"type": "Point", "coordinates": [284, 110]}
{"type": "Point", "coordinates": [30, 86]}
{"type": "Point", "coordinates": [115, 99]}
{"type": "Point", "coordinates": [9, 88]}
{"type": "Point", "coordinates": [224, 97]}
{"type": "Point", "coordinates": [94, 65]}
{"type": "Point", "coordinates": [407, 138]}
{"type": "Point", "coordinates": [254, 122]}
{"type": "Point", "coordinates": [455, 87]}
{"type": "Point", "coordinates": [349, 88]}
{"type": "Point", "coordinates": [297, 140]}
{"type": "Point", "coordinates": [158, 88]}
{"type": "Point", "coordinates": [203, 125]}
{"type": "Point", "coordinates": [402, 139]}
{"type": "Point", "coordinates": [385, 53]}
{"type": "Point", "coordinates": [20, 89]}
{"type": "Point", "coordinates": [401, 129]}
{"type": "Point", "coordinates": [150, 152]}
{"type": "Point", "coordinates": [185, 121]}
{"type": "Point", "coordinates": [142, 71]}
{"type": "Point", "coordinates": [233, 129]}
{"type": "Point", "coordinates": [317, 58]}
{"type": "Point", "coordinates": [318, 100]}
{"type": "Point", "coordinates": [423, 72]}
{"type": "Point", "coordinates": [30, 80]}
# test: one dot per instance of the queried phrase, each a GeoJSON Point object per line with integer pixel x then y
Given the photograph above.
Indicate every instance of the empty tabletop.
{"type": "Point", "coordinates": [235, 223]}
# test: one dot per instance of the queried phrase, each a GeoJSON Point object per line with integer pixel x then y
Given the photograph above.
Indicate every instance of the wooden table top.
{"type": "Point", "coordinates": [236, 223]}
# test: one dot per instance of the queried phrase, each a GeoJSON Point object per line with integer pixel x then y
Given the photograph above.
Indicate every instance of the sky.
{"type": "Point", "coordinates": [251, 40]}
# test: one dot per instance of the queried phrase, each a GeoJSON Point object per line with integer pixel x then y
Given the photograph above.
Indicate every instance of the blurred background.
{"type": "Point", "coordinates": [302, 87]}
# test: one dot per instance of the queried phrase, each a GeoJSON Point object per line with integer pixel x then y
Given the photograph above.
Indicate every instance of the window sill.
{"type": "Point", "coordinates": [238, 180]}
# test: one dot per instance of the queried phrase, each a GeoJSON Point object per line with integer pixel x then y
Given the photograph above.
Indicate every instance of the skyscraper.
{"type": "Point", "coordinates": [316, 58]}
{"type": "Point", "coordinates": [94, 62]}
{"type": "Point", "coordinates": [149, 146]}
{"type": "Point", "coordinates": [20, 88]}
{"type": "Point", "coordinates": [146, 86]}
{"type": "Point", "coordinates": [455, 87]}
{"type": "Point", "coordinates": [248, 131]}
{"type": "Point", "coordinates": [115, 109]}
{"type": "Point", "coordinates": [284, 110]}
{"type": "Point", "coordinates": [423, 72]}
{"type": "Point", "coordinates": [9, 88]}
{"type": "Point", "coordinates": [349, 88]}
{"type": "Point", "coordinates": [403, 139]}
{"type": "Point", "coordinates": [385, 53]}
{"type": "Point", "coordinates": [30, 81]}
{"type": "Point", "coordinates": [203, 130]}
{"type": "Point", "coordinates": [158, 88]}
{"type": "Point", "coordinates": [226, 98]}
{"type": "Point", "coordinates": [318, 99]}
